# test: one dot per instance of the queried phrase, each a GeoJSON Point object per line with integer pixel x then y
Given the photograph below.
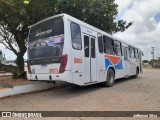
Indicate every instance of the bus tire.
{"type": "Point", "coordinates": [137, 73]}
{"type": "Point", "coordinates": [109, 79]}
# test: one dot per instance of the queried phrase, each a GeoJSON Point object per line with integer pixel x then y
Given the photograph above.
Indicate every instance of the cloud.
{"type": "Point", "coordinates": [145, 32]}
{"type": "Point", "coordinates": [123, 5]}
{"type": "Point", "coordinates": [1, 47]}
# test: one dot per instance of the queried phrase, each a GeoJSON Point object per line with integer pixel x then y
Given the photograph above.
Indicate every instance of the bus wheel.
{"type": "Point", "coordinates": [110, 78]}
{"type": "Point", "coordinates": [137, 72]}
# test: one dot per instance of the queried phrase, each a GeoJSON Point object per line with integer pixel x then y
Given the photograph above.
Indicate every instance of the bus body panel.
{"type": "Point", "coordinates": [44, 71]}
{"type": "Point", "coordinates": [76, 60]}
{"type": "Point", "coordinates": [66, 76]}
{"type": "Point", "coordinates": [126, 60]}
{"type": "Point", "coordinates": [90, 62]}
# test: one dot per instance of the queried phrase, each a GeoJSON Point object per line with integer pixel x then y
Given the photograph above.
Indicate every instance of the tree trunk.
{"type": "Point", "coordinates": [20, 64]}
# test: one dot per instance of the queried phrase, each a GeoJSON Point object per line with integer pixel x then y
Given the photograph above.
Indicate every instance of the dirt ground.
{"type": "Point", "coordinates": [140, 94]}
{"type": "Point", "coordinates": [9, 80]}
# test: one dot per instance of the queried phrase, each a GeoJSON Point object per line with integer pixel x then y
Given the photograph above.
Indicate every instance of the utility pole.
{"type": "Point", "coordinates": [158, 57]}
{"type": "Point", "coordinates": [152, 52]}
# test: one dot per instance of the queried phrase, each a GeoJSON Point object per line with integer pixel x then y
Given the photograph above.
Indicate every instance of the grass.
{"type": "Point", "coordinates": [147, 66]}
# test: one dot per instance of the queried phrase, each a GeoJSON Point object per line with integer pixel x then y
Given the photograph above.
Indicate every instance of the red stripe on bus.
{"type": "Point", "coordinates": [113, 59]}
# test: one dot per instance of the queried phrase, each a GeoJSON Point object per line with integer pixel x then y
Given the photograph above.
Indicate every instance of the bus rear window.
{"type": "Point", "coordinates": [46, 41]}
{"type": "Point", "coordinates": [48, 28]}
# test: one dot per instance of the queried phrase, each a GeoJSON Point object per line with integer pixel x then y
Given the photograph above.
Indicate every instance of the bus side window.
{"type": "Point", "coordinates": [131, 52]}
{"type": "Point", "coordinates": [125, 53]}
{"type": "Point", "coordinates": [136, 53]}
{"type": "Point", "coordinates": [100, 43]}
{"type": "Point", "coordinates": [140, 54]}
{"type": "Point", "coordinates": [76, 36]}
{"type": "Point", "coordinates": [86, 46]}
{"type": "Point", "coordinates": [118, 48]}
{"type": "Point", "coordinates": [93, 54]}
{"type": "Point", "coordinates": [108, 45]}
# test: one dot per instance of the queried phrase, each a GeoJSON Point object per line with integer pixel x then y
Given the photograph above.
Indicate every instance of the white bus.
{"type": "Point", "coordinates": [63, 48]}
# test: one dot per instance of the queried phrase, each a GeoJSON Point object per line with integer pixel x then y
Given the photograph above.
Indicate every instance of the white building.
{"type": "Point", "coordinates": [11, 62]}
{"type": "Point", "coordinates": [4, 61]}
{"type": "Point", "coordinates": [2, 58]}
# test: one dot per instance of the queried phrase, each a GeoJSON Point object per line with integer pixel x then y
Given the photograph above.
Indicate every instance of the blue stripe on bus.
{"type": "Point", "coordinates": [118, 66]}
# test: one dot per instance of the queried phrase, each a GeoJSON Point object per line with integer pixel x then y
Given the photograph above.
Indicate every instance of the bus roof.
{"type": "Point", "coordinates": [85, 25]}
{"type": "Point", "coordinates": [97, 30]}
{"type": "Point", "coordinates": [47, 19]}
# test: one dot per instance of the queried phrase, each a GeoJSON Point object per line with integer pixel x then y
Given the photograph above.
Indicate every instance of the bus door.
{"type": "Point", "coordinates": [89, 59]}
{"type": "Point", "coordinates": [126, 62]}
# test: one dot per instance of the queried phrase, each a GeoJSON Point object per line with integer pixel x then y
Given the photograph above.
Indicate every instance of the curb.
{"type": "Point", "coordinates": [27, 88]}
{"type": "Point", "coordinates": [5, 74]}
{"type": "Point", "coordinates": [6, 85]}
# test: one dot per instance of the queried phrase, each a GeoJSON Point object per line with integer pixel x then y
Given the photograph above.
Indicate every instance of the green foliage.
{"type": "Point", "coordinates": [99, 13]}
{"type": "Point", "coordinates": [22, 75]}
{"type": "Point", "coordinates": [147, 66]}
{"type": "Point", "coordinates": [152, 61]}
{"type": "Point", "coordinates": [15, 75]}
{"type": "Point", "coordinates": [145, 61]}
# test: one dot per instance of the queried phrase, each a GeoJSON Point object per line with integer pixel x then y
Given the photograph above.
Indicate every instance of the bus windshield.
{"type": "Point", "coordinates": [46, 41]}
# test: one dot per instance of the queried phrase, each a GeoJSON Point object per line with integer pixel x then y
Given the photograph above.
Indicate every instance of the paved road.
{"type": "Point", "coordinates": [142, 93]}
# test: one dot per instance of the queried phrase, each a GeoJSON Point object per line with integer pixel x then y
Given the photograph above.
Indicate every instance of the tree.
{"type": "Point", "coordinates": [17, 15]}
{"type": "Point", "coordinates": [99, 13]}
{"type": "Point", "coordinates": [145, 61]}
{"type": "Point", "coordinates": [152, 61]}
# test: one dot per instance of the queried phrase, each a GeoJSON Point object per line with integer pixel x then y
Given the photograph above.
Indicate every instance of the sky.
{"type": "Point", "coordinates": [144, 33]}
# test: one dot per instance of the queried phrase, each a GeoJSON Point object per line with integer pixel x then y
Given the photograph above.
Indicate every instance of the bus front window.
{"type": "Point", "coordinates": [46, 41]}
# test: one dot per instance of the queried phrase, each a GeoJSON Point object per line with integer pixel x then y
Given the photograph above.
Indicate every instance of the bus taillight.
{"type": "Point", "coordinates": [29, 68]}
{"type": "Point", "coordinates": [63, 63]}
